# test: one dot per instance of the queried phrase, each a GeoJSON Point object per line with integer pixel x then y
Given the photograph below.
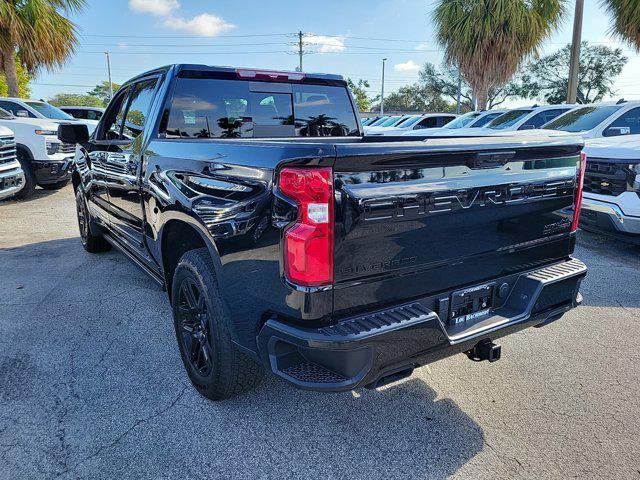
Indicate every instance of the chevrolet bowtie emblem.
{"type": "Point", "coordinates": [604, 184]}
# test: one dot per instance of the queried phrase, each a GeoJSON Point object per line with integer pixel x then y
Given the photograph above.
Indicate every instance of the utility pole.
{"type": "Point", "coordinates": [574, 66]}
{"type": "Point", "coordinates": [382, 89]}
{"type": "Point", "coordinates": [300, 52]}
{"type": "Point", "coordinates": [459, 91]}
{"type": "Point", "coordinates": [109, 74]}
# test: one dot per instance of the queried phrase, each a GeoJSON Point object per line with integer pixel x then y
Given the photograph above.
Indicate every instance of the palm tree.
{"type": "Point", "coordinates": [38, 33]}
{"type": "Point", "coordinates": [489, 39]}
{"type": "Point", "coordinates": [626, 16]}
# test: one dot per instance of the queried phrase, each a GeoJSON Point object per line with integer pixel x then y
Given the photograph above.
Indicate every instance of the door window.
{"type": "Point", "coordinates": [112, 124]}
{"type": "Point", "coordinates": [13, 108]}
{"type": "Point", "coordinates": [138, 111]}
{"type": "Point", "coordinates": [630, 119]}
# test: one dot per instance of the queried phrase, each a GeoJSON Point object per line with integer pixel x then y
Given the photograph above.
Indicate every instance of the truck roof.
{"type": "Point", "coordinates": [262, 74]}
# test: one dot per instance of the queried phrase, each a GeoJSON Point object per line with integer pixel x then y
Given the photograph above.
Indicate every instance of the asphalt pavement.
{"type": "Point", "coordinates": [92, 386]}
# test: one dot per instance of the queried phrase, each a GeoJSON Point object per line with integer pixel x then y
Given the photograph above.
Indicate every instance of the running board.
{"type": "Point", "coordinates": [120, 246]}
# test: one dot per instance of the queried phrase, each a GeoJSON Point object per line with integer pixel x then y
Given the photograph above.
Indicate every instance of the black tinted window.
{"type": "Point", "coordinates": [629, 119]}
{"type": "Point", "coordinates": [93, 114]}
{"type": "Point", "coordinates": [82, 114]}
{"type": "Point", "coordinates": [212, 108]}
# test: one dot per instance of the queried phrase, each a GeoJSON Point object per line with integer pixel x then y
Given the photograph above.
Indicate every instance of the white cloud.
{"type": "Point", "coordinates": [123, 45]}
{"type": "Point", "coordinates": [160, 8]}
{"type": "Point", "coordinates": [325, 44]}
{"type": "Point", "coordinates": [423, 46]}
{"type": "Point", "coordinates": [205, 25]}
{"type": "Point", "coordinates": [409, 66]}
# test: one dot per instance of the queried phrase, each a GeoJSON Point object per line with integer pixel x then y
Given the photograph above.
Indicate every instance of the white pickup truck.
{"type": "Point", "coordinates": [611, 198]}
{"type": "Point", "coordinates": [11, 175]}
{"type": "Point", "coordinates": [43, 158]}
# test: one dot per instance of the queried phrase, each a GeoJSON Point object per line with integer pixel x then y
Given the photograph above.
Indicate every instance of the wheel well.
{"type": "Point", "coordinates": [24, 150]}
{"type": "Point", "coordinates": [178, 237]}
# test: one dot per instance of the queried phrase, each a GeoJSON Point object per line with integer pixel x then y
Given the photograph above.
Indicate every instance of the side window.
{"type": "Point", "coordinates": [14, 108]}
{"type": "Point", "coordinates": [541, 118]}
{"type": "Point", "coordinates": [430, 122]}
{"type": "Point", "coordinates": [139, 105]}
{"type": "Point", "coordinates": [93, 114]}
{"type": "Point", "coordinates": [630, 119]}
{"type": "Point", "coordinates": [78, 113]}
{"type": "Point", "coordinates": [111, 126]}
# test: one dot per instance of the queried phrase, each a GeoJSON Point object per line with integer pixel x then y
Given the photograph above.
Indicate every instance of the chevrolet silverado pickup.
{"type": "Point", "coordinates": [611, 200]}
{"type": "Point", "coordinates": [11, 175]}
{"type": "Point", "coordinates": [290, 243]}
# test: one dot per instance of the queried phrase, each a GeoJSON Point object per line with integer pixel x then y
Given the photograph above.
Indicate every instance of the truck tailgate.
{"type": "Point", "coordinates": [417, 218]}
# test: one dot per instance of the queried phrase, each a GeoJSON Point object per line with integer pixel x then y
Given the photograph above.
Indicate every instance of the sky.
{"type": "Point", "coordinates": [346, 37]}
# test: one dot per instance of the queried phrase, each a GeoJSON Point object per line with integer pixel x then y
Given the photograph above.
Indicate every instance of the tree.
{"type": "Point", "coordinates": [360, 94]}
{"type": "Point", "coordinates": [626, 20]}
{"type": "Point", "coordinates": [490, 39]}
{"type": "Point", "coordinates": [445, 81]}
{"type": "Point", "coordinates": [39, 33]}
{"type": "Point", "coordinates": [416, 98]}
{"type": "Point", "coordinates": [548, 77]}
{"type": "Point", "coordinates": [76, 99]}
{"type": "Point", "coordinates": [103, 93]}
{"type": "Point", "coordinates": [23, 82]}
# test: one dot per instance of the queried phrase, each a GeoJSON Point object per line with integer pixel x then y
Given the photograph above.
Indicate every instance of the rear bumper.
{"type": "Point", "coordinates": [52, 171]}
{"type": "Point", "coordinates": [11, 180]}
{"type": "Point", "coordinates": [366, 350]}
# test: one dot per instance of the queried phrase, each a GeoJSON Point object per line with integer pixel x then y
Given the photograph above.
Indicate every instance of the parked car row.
{"type": "Point", "coordinates": [30, 153]}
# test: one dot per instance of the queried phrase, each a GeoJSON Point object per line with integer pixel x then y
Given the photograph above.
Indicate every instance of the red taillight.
{"type": "Point", "coordinates": [579, 186]}
{"type": "Point", "coordinates": [308, 244]}
{"type": "Point", "coordinates": [272, 75]}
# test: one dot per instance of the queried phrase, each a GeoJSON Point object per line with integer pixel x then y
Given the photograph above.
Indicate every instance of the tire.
{"type": "Point", "coordinates": [215, 365]}
{"type": "Point", "coordinates": [90, 242]}
{"type": "Point", "coordinates": [55, 186]}
{"type": "Point", "coordinates": [29, 176]}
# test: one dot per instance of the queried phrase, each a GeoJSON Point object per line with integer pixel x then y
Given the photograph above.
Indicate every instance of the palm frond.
{"type": "Point", "coordinates": [489, 39]}
{"type": "Point", "coordinates": [626, 20]}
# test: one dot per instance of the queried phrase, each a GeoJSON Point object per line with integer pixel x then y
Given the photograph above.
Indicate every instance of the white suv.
{"type": "Point", "coordinates": [611, 195]}
{"type": "Point", "coordinates": [43, 158]}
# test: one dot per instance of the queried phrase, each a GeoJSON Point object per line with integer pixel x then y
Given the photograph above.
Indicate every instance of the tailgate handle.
{"type": "Point", "coordinates": [490, 159]}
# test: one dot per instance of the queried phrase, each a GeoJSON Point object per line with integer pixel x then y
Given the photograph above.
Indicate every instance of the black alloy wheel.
{"type": "Point", "coordinates": [195, 327]}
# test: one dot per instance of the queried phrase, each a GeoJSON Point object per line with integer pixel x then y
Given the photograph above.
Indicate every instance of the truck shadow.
{"type": "Point", "coordinates": [90, 316]}
{"type": "Point", "coordinates": [402, 430]}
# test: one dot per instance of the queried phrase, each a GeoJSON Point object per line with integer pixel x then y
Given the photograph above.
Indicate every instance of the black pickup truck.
{"type": "Point", "coordinates": [288, 242]}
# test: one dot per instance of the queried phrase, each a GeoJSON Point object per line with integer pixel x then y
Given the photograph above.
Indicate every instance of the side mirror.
{"type": "Point", "coordinates": [73, 133]}
{"type": "Point", "coordinates": [22, 113]}
{"type": "Point", "coordinates": [617, 131]}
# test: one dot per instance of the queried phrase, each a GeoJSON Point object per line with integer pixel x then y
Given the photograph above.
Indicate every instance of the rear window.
{"type": "Point", "coordinates": [215, 108]}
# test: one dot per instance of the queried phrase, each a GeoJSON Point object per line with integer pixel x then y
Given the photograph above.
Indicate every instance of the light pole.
{"type": "Point", "coordinates": [459, 91]}
{"type": "Point", "coordinates": [382, 89]}
{"type": "Point", "coordinates": [574, 66]}
{"type": "Point", "coordinates": [109, 75]}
